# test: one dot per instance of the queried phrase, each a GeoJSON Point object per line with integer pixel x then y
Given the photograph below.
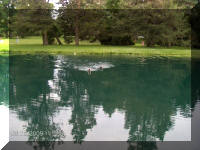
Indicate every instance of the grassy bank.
{"type": "Point", "coordinates": [33, 45]}
{"type": "Point", "coordinates": [98, 49]}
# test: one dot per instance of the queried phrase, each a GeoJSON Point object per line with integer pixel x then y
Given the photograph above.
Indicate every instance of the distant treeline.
{"type": "Point", "coordinates": [110, 25]}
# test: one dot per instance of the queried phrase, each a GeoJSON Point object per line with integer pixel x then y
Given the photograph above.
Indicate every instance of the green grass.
{"type": "Point", "coordinates": [4, 46]}
{"type": "Point", "coordinates": [33, 45]}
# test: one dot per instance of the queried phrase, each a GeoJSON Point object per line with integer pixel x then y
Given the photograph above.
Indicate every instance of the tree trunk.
{"type": "Point", "coordinates": [58, 40]}
{"type": "Point", "coordinates": [45, 38]}
{"type": "Point", "coordinates": [77, 30]}
{"type": "Point", "coordinates": [78, 3]}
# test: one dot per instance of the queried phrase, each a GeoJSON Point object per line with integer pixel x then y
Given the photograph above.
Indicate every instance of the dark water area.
{"type": "Point", "coordinates": [79, 98]}
{"type": "Point", "coordinates": [56, 98]}
{"type": "Point", "coordinates": [4, 80]}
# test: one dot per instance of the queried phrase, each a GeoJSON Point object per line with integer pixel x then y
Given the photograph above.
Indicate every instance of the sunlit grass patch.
{"type": "Point", "coordinates": [4, 45]}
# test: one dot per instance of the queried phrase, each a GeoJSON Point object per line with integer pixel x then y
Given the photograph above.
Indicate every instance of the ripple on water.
{"type": "Point", "coordinates": [94, 66]}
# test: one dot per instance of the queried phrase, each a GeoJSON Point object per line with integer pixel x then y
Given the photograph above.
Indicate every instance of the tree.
{"type": "Point", "coordinates": [76, 5]}
{"type": "Point", "coordinates": [35, 17]}
{"type": "Point", "coordinates": [6, 10]}
{"type": "Point", "coordinates": [111, 26]}
{"type": "Point", "coordinates": [158, 4]}
{"type": "Point", "coordinates": [163, 27]}
{"type": "Point", "coordinates": [195, 22]}
{"type": "Point", "coordinates": [113, 4]}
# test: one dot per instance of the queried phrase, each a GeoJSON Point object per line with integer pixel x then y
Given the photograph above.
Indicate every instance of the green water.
{"type": "Point", "coordinates": [4, 80]}
{"type": "Point", "coordinates": [56, 98]}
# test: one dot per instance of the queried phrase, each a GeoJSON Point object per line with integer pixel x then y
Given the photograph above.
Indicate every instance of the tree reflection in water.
{"type": "Point", "coordinates": [29, 96]}
{"type": "Point", "coordinates": [4, 80]}
{"type": "Point", "coordinates": [148, 92]}
{"type": "Point", "coordinates": [82, 114]}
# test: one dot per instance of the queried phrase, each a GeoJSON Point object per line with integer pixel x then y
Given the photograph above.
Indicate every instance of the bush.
{"type": "Point", "coordinates": [116, 40]}
{"type": "Point", "coordinates": [51, 38]}
{"type": "Point", "coordinates": [68, 39]}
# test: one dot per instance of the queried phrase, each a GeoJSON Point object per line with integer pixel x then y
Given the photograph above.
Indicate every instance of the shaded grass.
{"type": "Point", "coordinates": [36, 40]}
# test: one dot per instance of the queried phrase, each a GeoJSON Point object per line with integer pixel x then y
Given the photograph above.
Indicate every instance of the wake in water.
{"type": "Point", "coordinates": [94, 66]}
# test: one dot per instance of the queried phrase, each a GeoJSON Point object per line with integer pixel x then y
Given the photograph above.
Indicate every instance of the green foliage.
{"type": "Point", "coordinates": [113, 4]}
{"type": "Point", "coordinates": [121, 27]}
{"type": "Point", "coordinates": [51, 39]}
{"type": "Point", "coordinates": [6, 10]}
{"type": "Point", "coordinates": [52, 33]}
{"type": "Point", "coordinates": [115, 28]}
{"type": "Point", "coordinates": [164, 27]}
{"type": "Point", "coordinates": [68, 39]}
{"type": "Point", "coordinates": [195, 25]}
{"type": "Point", "coordinates": [129, 4]}
{"type": "Point", "coordinates": [66, 22]}
{"type": "Point", "coordinates": [116, 40]}
{"type": "Point", "coordinates": [32, 18]}
{"type": "Point", "coordinates": [110, 26]}
{"type": "Point", "coordinates": [32, 4]}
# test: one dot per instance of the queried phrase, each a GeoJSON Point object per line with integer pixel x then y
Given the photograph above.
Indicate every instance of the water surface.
{"type": "Point", "coordinates": [4, 100]}
{"type": "Point", "coordinates": [98, 98]}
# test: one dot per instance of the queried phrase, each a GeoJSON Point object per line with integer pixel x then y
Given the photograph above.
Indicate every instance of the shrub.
{"type": "Point", "coordinates": [68, 39]}
{"type": "Point", "coordinates": [51, 37]}
{"type": "Point", "coordinates": [116, 40]}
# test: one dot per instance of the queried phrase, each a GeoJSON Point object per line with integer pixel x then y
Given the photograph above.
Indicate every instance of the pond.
{"type": "Point", "coordinates": [98, 98]}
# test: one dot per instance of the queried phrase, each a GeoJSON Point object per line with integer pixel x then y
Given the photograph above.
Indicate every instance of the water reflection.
{"type": "Point", "coordinates": [195, 73]}
{"type": "Point", "coordinates": [132, 100]}
{"type": "Point", "coordinates": [4, 80]}
{"type": "Point", "coordinates": [4, 100]}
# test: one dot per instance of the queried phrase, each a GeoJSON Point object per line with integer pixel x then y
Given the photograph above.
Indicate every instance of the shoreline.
{"type": "Point", "coordinates": [101, 54]}
{"type": "Point", "coordinates": [100, 50]}
{"type": "Point", "coordinates": [131, 51]}
{"type": "Point", "coordinates": [185, 54]}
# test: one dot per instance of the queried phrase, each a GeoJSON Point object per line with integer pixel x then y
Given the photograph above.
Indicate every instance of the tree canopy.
{"type": "Point", "coordinates": [107, 21]}
{"type": "Point", "coordinates": [6, 10]}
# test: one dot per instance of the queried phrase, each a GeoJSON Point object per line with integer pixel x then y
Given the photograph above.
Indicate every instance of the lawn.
{"type": "Point", "coordinates": [33, 45]}
{"type": "Point", "coordinates": [4, 45]}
